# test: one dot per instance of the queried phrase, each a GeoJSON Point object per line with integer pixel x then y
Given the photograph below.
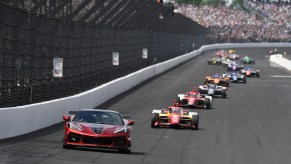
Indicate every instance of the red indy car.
{"type": "Point", "coordinates": [221, 53]}
{"type": "Point", "coordinates": [195, 100]}
{"type": "Point", "coordinates": [175, 117]}
{"type": "Point", "coordinates": [97, 128]}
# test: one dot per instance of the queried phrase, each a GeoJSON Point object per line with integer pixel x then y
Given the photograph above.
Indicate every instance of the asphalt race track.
{"type": "Point", "coordinates": [251, 126]}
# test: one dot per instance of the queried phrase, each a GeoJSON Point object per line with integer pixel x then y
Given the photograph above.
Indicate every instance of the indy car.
{"type": "Point", "coordinates": [236, 77]}
{"type": "Point", "coordinates": [97, 128]}
{"type": "Point", "coordinates": [214, 61]}
{"type": "Point", "coordinates": [247, 60]}
{"type": "Point", "coordinates": [221, 53]}
{"type": "Point", "coordinates": [217, 79]}
{"type": "Point", "coordinates": [234, 67]}
{"type": "Point", "coordinates": [225, 62]}
{"type": "Point", "coordinates": [174, 117]}
{"type": "Point", "coordinates": [233, 57]}
{"type": "Point", "coordinates": [213, 90]}
{"type": "Point", "coordinates": [231, 51]}
{"type": "Point", "coordinates": [193, 99]}
{"type": "Point", "coordinates": [250, 72]}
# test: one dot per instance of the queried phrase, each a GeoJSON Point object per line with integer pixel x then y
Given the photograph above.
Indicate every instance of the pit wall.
{"type": "Point", "coordinates": [20, 120]}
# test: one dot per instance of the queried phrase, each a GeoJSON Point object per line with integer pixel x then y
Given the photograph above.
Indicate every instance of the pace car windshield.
{"type": "Point", "coordinates": [99, 117]}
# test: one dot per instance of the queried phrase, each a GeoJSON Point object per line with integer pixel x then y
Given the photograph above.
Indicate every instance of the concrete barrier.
{"type": "Point", "coordinates": [20, 120]}
{"type": "Point", "coordinates": [281, 61]}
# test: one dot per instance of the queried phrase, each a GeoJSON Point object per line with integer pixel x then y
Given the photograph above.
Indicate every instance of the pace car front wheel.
{"type": "Point", "coordinates": [125, 151]}
{"type": "Point", "coordinates": [65, 146]}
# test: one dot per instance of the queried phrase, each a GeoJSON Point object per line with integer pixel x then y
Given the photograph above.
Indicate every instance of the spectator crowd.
{"type": "Point", "coordinates": [270, 23]}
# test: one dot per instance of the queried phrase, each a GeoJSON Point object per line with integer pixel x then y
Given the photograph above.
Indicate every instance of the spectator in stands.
{"type": "Point", "coordinates": [229, 25]}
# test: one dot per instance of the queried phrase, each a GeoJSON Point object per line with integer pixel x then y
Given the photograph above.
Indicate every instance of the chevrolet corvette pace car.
{"type": "Point", "coordinates": [97, 128]}
{"type": "Point", "coordinates": [195, 100]}
{"type": "Point", "coordinates": [175, 117]}
{"type": "Point", "coordinates": [213, 90]}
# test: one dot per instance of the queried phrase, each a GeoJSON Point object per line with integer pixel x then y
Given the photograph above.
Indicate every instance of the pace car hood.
{"type": "Point", "coordinates": [104, 129]}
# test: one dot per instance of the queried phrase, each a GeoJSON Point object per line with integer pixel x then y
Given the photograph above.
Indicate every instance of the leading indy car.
{"type": "Point", "coordinates": [175, 117]}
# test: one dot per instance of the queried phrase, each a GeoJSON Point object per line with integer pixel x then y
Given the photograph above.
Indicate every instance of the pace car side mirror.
{"type": "Point", "coordinates": [130, 122]}
{"type": "Point", "coordinates": [66, 118]}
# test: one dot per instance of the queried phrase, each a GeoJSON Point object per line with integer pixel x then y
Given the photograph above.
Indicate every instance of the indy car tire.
{"type": "Point", "coordinates": [224, 94]}
{"type": "Point", "coordinates": [155, 118]}
{"type": "Point", "coordinates": [258, 75]}
{"type": "Point", "coordinates": [195, 122]}
{"type": "Point", "coordinates": [207, 103]}
{"type": "Point", "coordinates": [245, 80]}
{"type": "Point", "coordinates": [205, 82]}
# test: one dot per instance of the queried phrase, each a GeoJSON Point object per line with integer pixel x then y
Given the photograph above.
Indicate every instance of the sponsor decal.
{"type": "Point", "coordinates": [58, 67]}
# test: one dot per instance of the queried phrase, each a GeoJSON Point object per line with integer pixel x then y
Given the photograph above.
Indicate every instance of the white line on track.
{"type": "Point", "coordinates": [281, 76]}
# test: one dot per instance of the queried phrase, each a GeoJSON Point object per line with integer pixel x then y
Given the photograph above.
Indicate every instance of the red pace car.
{"type": "Point", "coordinates": [97, 128]}
{"type": "Point", "coordinates": [175, 117]}
{"type": "Point", "coordinates": [195, 100]}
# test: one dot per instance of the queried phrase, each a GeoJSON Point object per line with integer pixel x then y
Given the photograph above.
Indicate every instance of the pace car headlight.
{"type": "Point", "coordinates": [74, 127]}
{"type": "Point", "coordinates": [121, 130]}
